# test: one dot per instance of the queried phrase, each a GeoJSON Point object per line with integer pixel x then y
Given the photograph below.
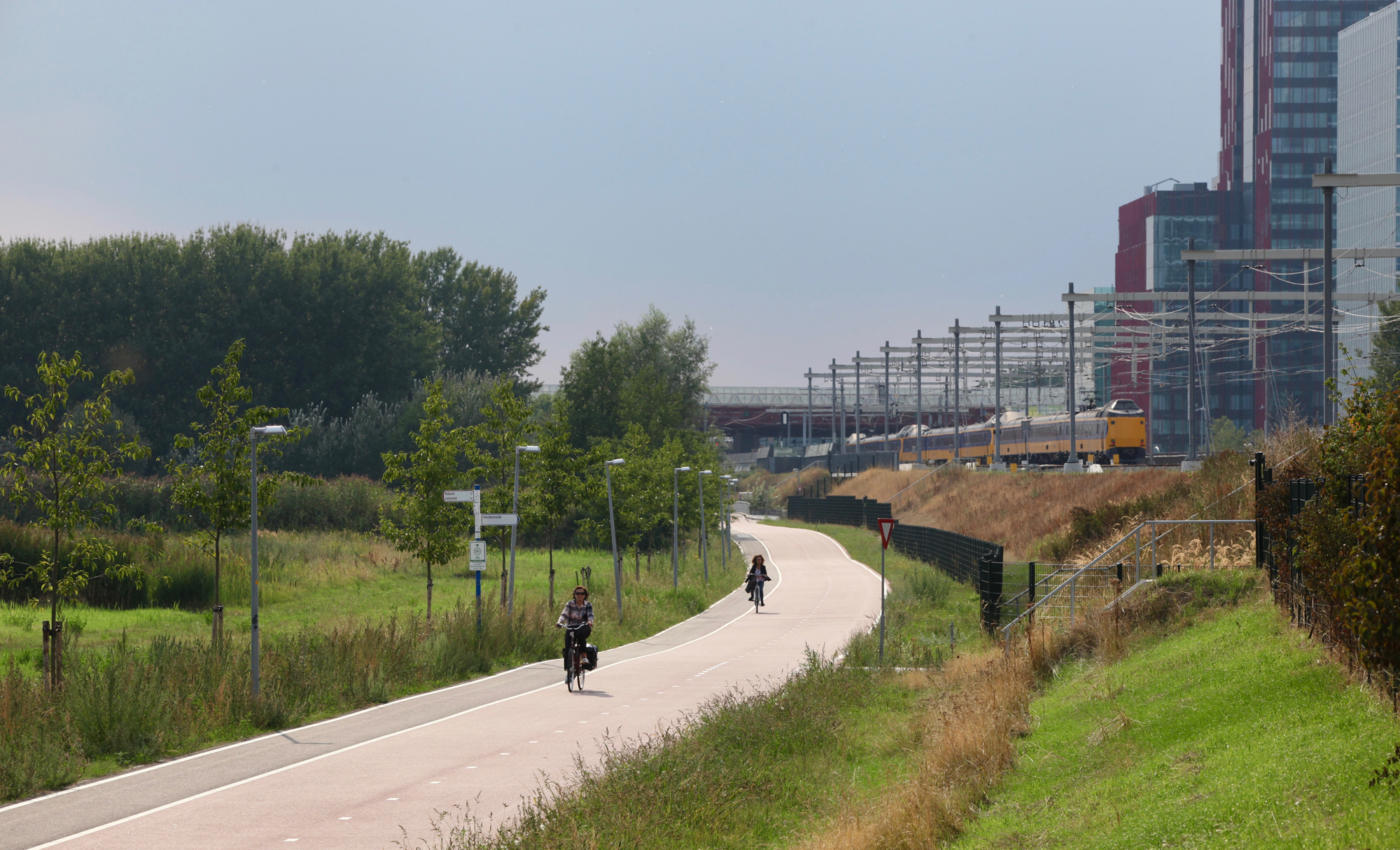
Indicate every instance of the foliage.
{"type": "Point", "coordinates": [213, 487]}
{"type": "Point", "coordinates": [355, 444]}
{"type": "Point", "coordinates": [491, 451]}
{"type": "Point", "coordinates": [61, 466]}
{"type": "Point", "coordinates": [484, 326]}
{"type": "Point", "coordinates": [427, 527]}
{"type": "Point", "coordinates": [328, 319]}
{"type": "Point", "coordinates": [1226, 436]}
{"type": "Point", "coordinates": [650, 375]}
{"type": "Point", "coordinates": [1385, 347]}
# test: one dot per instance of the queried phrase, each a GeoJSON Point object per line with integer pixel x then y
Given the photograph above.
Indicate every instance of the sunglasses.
{"type": "Point", "coordinates": [580, 593]}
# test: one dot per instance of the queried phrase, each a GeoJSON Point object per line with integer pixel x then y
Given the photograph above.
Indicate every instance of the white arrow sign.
{"type": "Point", "coordinates": [500, 519]}
{"type": "Point", "coordinates": [459, 496]}
{"type": "Point", "coordinates": [477, 557]}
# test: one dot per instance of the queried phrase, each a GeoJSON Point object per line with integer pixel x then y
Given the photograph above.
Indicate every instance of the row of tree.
{"type": "Point", "coordinates": [329, 321]}
{"type": "Point", "coordinates": [65, 454]}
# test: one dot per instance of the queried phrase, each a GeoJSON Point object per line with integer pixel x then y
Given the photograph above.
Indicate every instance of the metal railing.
{"type": "Point", "coordinates": [1071, 588]}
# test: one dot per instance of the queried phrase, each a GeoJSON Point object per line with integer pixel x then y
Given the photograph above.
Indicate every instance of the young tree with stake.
{"type": "Point", "coordinates": [432, 530]}
{"type": "Point", "coordinates": [213, 492]}
{"type": "Point", "coordinates": [61, 465]}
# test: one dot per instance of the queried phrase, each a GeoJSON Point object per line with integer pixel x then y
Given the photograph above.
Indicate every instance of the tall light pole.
{"type": "Point", "coordinates": [515, 509]}
{"type": "Point", "coordinates": [612, 525]}
{"type": "Point", "coordinates": [676, 525]}
{"type": "Point", "coordinates": [257, 431]}
{"type": "Point", "coordinates": [704, 544]}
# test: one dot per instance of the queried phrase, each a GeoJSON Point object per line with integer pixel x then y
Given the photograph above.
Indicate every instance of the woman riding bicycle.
{"type": "Point", "coordinates": [758, 574]}
{"type": "Point", "coordinates": [578, 616]}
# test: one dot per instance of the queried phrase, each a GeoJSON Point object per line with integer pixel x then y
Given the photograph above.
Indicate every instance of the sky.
{"type": "Point", "coordinates": [802, 179]}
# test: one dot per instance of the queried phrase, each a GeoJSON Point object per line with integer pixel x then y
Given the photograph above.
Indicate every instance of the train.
{"type": "Point", "coordinates": [1113, 433]}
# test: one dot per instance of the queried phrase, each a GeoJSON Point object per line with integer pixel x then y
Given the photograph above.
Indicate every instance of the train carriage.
{"type": "Point", "coordinates": [1119, 429]}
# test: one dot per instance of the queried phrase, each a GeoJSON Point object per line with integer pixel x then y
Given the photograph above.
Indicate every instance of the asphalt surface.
{"type": "Point", "coordinates": [369, 779]}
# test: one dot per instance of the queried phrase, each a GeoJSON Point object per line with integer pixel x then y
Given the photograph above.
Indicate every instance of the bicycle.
{"type": "Point", "coordinates": [758, 582]}
{"type": "Point", "coordinates": [573, 662]}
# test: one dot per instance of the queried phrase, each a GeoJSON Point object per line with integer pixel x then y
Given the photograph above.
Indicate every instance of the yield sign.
{"type": "Point", "coordinates": [886, 530]}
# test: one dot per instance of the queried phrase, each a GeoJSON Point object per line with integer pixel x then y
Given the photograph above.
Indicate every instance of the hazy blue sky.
{"type": "Point", "coordinates": [803, 179]}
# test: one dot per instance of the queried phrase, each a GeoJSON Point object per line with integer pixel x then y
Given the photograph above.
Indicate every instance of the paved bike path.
{"type": "Point", "coordinates": [355, 780]}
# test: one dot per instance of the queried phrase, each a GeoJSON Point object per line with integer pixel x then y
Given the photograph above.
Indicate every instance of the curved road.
{"type": "Point", "coordinates": [354, 781]}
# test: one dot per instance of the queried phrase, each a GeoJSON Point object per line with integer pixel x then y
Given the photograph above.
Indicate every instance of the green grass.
{"type": "Point", "coordinates": [1235, 732]}
{"type": "Point", "coordinates": [321, 580]}
{"type": "Point", "coordinates": [343, 627]}
{"type": "Point", "coordinates": [922, 604]}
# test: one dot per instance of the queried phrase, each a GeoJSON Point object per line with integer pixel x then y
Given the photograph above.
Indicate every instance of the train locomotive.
{"type": "Point", "coordinates": [1115, 432]}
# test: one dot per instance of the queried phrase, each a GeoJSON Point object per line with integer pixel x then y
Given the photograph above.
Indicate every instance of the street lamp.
{"type": "Point", "coordinates": [612, 524]}
{"type": "Point", "coordinates": [704, 544]}
{"type": "Point", "coordinates": [724, 520]}
{"type": "Point", "coordinates": [515, 509]}
{"type": "Point", "coordinates": [676, 525]}
{"type": "Point", "coordinates": [257, 431]}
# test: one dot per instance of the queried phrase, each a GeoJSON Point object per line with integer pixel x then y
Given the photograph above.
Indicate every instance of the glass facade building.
{"type": "Point", "coordinates": [1151, 366]}
{"type": "Point", "coordinates": [1368, 62]}
{"type": "Point", "coordinates": [1279, 121]}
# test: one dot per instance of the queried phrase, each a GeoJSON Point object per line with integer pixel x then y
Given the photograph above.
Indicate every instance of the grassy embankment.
{"type": "Point", "coordinates": [1234, 732]}
{"type": "Point", "coordinates": [343, 627]}
{"type": "Point", "coordinates": [1161, 715]}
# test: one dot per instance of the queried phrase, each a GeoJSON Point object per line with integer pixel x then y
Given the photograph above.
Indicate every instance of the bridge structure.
{"type": "Point", "coordinates": [753, 416]}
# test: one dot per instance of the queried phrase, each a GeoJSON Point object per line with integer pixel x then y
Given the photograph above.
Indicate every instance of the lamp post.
{"type": "Point", "coordinates": [723, 522]}
{"type": "Point", "coordinates": [257, 431]}
{"type": "Point", "coordinates": [612, 525]}
{"type": "Point", "coordinates": [704, 544]}
{"type": "Point", "coordinates": [515, 509]}
{"type": "Point", "coordinates": [676, 525]}
{"type": "Point", "coordinates": [729, 514]}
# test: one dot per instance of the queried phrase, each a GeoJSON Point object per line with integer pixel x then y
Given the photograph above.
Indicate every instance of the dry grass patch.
{"type": "Point", "coordinates": [966, 736]}
{"type": "Point", "coordinates": [1017, 511]}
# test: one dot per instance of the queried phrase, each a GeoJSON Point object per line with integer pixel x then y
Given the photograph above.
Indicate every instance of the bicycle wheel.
{"type": "Point", "coordinates": [571, 675]}
{"type": "Point", "coordinates": [578, 678]}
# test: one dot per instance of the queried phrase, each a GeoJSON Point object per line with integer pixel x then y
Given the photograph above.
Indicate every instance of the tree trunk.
{"type": "Point", "coordinates": [218, 625]}
{"type": "Point", "coordinates": [637, 561]}
{"type": "Point", "coordinates": [428, 621]}
{"type": "Point", "coordinates": [551, 572]}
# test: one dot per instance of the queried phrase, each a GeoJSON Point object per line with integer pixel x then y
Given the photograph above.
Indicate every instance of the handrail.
{"type": "Point", "coordinates": [1006, 630]}
{"type": "Point", "coordinates": [911, 486]}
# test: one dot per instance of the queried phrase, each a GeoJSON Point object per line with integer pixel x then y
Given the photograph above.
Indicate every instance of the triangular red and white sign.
{"type": "Point", "coordinates": [886, 531]}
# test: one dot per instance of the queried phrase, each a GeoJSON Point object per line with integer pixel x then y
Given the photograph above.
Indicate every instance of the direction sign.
{"type": "Point", "coordinates": [500, 519]}
{"type": "Point", "coordinates": [477, 557]}
{"type": "Point", "coordinates": [886, 532]}
{"type": "Point", "coordinates": [459, 496]}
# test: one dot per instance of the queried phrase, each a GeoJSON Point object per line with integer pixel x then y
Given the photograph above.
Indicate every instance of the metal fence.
{"type": "Point", "coordinates": [1068, 592]}
{"type": "Point", "coordinates": [966, 559]}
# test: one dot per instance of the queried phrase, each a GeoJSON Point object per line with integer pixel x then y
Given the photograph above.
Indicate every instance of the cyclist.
{"type": "Point", "coordinates": [578, 616]}
{"type": "Point", "coordinates": [758, 573]}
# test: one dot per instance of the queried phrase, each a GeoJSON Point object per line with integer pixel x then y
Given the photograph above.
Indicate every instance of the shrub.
{"type": "Point", "coordinates": [39, 746]}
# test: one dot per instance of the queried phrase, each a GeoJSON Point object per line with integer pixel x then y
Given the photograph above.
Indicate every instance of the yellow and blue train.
{"type": "Point", "coordinates": [1116, 432]}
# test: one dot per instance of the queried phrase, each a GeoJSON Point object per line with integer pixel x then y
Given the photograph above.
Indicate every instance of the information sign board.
{"type": "Point", "coordinates": [459, 496]}
{"type": "Point", "coordinates": [477, 557]}
{"type": "Point", "coordinates": [499, 519]}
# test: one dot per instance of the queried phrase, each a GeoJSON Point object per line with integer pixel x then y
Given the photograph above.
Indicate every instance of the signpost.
{"type": "Point", "coordinates": [886, 532]}
{"type": "Point", "coordinates": [476, 558]}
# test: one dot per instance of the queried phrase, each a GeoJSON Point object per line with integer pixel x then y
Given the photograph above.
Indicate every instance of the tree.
{"type": "Point", "coordinates": [62, 465]}
{"type": "Point", "coordinates": [484, 325]}
{"type": "Point", "coordinates": [557, 485]}
{"type": "Point", "coordinates": [214, 491]}
{"type": "Point", "coordinates": [491, 450]}
{"type": "Point", "coordinates": [431, 530]}
{"type": "Point", "coordinates": [1385, 347]}
{"type": "Point", "coordinates": [651, 375]}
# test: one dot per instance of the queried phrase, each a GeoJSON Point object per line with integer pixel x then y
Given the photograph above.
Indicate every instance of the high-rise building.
{"type": "Point", "coordinates": [1278, 113]}
{"type": "Point", "coordinates": [1278, 123]}
{"type": "Point", "coordinates": [1368, 87]}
